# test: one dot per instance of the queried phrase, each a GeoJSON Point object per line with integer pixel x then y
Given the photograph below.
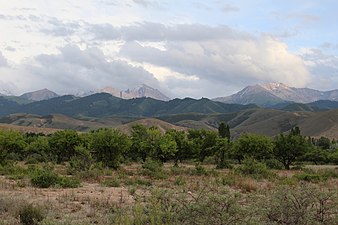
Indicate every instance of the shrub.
{"type": "Point", "coordinates": [67, 182]}
{"type": "Point", "coordinates": [179, 181]}
{"type": "Point", "coordinates": [309, 177]}
{"type": "Point", "coordinates": [30, 215]}
{"type": "Point", "coordinates": [317, 176]}
{"type": "Point", "coordinates": [44, 179]}
{"type": "Point", "coordinates": [255, 169]}
{"type": "Point", "coordinates": [200, 170]}
{"type": "Point", "coordinates": [113, 182]}
{"type": "Point", "coordinates": [300, 205]}
{"type": "Point", "coordinates": [152, 165]}
{"type": "Point", "coordinates": [274, 164]}
{"type": "Point", "coordinates": [81, 162]}
{"type": "Point", "coordinates": [153, 168]}
{"type": "Point", "coordinates": [214, 207]}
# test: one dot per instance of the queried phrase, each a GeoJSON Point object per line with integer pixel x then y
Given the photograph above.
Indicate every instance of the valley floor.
{"type": "Point", "coordinates": [187, 194]}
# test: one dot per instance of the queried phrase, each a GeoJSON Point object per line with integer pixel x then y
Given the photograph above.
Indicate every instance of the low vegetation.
{"type": "Point", "coordinates": [176, 177]}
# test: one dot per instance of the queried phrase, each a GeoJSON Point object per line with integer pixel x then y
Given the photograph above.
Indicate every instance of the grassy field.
{"type": "Point", "coordinates": [188, 194]}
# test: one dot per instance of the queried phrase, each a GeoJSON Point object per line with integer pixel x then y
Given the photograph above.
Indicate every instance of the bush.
{"type": "Point", "coordinates": [113, 182]}
{"type": "Point", "coordinates": [67, 182]}
{"type": "Point", "coordinates": [200, 170]}
{"type": "Point", "coordinates": [152, 165]}
{"type": "Point", "coordinates": [81, 162]}
{"type": "Point", "coordinates": [274, 164]}
{"type": "Point", "coordinates": [44, 179]}
{"type": "Point", "coordinates": [309, 177]}
{"type": "Point", "coordinates": [30, 215]}
{"type": "Point", "coordinates": [317, 176]}
{"type": "Point", "coordinates": [179, 181]}
{"type": "Point", "coordinates": [300, 205]}
{"type": "Point", "coordinates": [153, 168]}
{"type": "Point", "coordinates": [255, 169]}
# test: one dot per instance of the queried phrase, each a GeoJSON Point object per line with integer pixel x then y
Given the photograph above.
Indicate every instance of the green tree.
{"type": "Point", "coordinates": [224, 130]}
{"type": "Point", "coordinates": [183, 149]}
{"type": "Point", "coordinates": [167, 148]}
{"type": "Point", "coordinates": [203, 141]}
{"type": "Point", "coordinates": [12, 144]}
{"type": "Point", "coordinates": [324, 143]}
{"type": "Point", "coordinates": [316, 155]}
{"type": "Point", "coordinates": [255, 146]}
{"type": "Point", "coordinates": [139, 137]}
{"type": "Point", "coordinates": [39, 147]}
{"type": "Point", "coordinates": [108, 146]}
{"type": "Point", "coordinates": [290, 147]}
{"type": "Point", "coordinates": [221, 145]}
{"type": "Point", "coordinates": [62, 144]}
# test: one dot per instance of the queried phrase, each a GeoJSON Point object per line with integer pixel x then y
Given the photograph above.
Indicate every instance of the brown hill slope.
{"type": "Point", "coordinates": [56, 121]}
{"type": "Point", "coordinates": [161, 125]}
{"type": "Point", "coordinates": [27, 129]}
{"type": "Point", "coordinates": [321, 124]}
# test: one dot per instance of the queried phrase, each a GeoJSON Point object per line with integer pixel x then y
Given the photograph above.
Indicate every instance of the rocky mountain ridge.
{"type": "Point", "coordinates": [137, 92]}
{"type": "Point", "coordinates": [275, 93]}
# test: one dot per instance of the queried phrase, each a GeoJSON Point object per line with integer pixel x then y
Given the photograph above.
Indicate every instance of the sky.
{"type": "Point", "coordinates": [188, 48]}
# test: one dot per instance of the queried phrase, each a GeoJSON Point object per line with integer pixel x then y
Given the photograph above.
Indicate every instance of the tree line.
{"type": "Point", "coordinates": [111, 147]}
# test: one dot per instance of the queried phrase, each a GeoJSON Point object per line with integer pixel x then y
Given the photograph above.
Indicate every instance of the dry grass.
{"type": "Point", "coordinates": [93, 203]}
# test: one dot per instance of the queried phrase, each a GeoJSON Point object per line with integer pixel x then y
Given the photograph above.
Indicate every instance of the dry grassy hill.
{"type": "Point", "coordinates": [321, 124]}
{"type": "Point", "coordinates": [27, 129]}
{"type": "Point", "coordinates": [268, 122]}
{"type": "Point", "coordinates": [161, 125]}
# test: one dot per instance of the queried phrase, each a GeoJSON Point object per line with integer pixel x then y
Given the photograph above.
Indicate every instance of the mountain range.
{"type": "Point", "coordinates": [138, 92]}
{"type": "Point", "coordinates": [104, 104]}
{"type": "Point", "coordinates": [271, 94]}
{"type": "Point", "coordinates": [45, 94]}
{"type": "Point", "coordinates": [278, 114]}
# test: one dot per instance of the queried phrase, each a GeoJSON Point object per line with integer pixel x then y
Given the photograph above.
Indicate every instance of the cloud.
{"type": "Point", "coordinates": [146, 3]}
{"type": "Point", "coordinates": [230, 8]}
{"type": "Point", "coordinates": [3, 61]}
{"type": "Point", "coordinates": [58, 27]}
{"type": "Point", "coordinates": [10, 49]}
{"type": "Point", "coordinates": [231, 59]}
{"type": "Point", "coordinates": [74, 70]}
{"type": "Point", "coordinates": [323, 68]}
{"type": "Point", "coordinates": [155, 32]}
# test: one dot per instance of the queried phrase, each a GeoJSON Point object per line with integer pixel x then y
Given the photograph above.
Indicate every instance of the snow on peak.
{"type": "Point", "coordinates": [274, 86]}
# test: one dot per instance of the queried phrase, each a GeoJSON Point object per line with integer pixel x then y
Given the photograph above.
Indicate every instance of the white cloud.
{"type": "Point", "coordinates": [74, 70]}
{"type": "Point", "coordinates": [229, 61]}
{"type": "Point", "coordinates": [3, 61]}
{"type": "Point", "coordinates": [323, 68]}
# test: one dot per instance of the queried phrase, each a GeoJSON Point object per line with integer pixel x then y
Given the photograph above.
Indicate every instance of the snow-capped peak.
{"type": "Point", "coordinates": [274, 86]}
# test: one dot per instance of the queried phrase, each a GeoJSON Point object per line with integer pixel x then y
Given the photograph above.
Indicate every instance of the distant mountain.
{"type": "Point", "coordinates": [103, 104]}
{"type": "Point", "coordinates": [252, 95]}
{"type": "Point", "coordinates": [276, 93]}
{"type": "Point", "coordinates": [324, 104]}
{"type": "Point", "coordinates": [138, 92]}
{"type": "Point", "coordinates": [39, 95]}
